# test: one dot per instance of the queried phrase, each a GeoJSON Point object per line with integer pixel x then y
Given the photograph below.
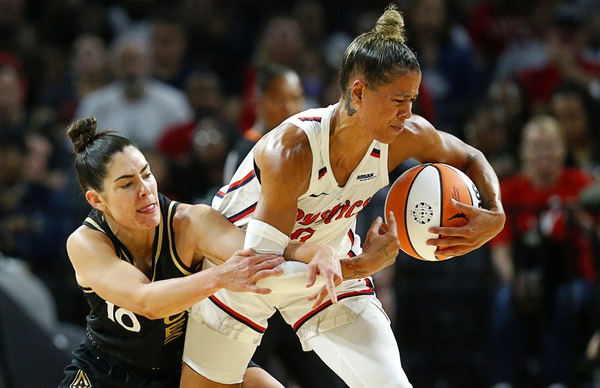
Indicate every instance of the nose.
{"type": "Point", "coordinates": [405, 110]}
{"type": "Point", "coordinates": [144, 190]}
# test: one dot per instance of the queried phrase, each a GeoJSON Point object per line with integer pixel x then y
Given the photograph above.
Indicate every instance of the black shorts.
{"type": "Point", "coordinates": [93, 369]}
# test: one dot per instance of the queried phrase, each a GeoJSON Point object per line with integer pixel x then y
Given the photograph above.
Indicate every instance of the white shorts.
{"type": "Point", "coordinates": [362, 352]}
{"type": "Point", "coordinates": [243, 316]}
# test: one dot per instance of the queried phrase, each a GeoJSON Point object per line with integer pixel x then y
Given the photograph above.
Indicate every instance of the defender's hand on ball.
{"type": "Point", "coordinates": [457, 241]}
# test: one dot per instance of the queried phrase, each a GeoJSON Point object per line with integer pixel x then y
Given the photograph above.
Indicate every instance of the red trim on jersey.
{"type": "Point", "coordinates": [249, 210]}
{"type": "Point", "coordinates": [376, 153]}
{"type": "Point", "coordinates": [238, 317]}
{"type": "Point", "coordinates": [314, 118]}
{"type": "Point", "coordinates": [351, 237]}
{"type": "Point", "coordinates": [322, 172]}
{"type": "Point", "coordinates": [324, 305]}
{"type": "Point", "coordinates": [236, 185]}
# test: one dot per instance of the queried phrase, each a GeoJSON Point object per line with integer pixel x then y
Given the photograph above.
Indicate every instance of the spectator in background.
{"type": "Point", "coordinates": [13, 151]}
{"type": "Point", "coordinates": [170, 62]}
{"type": "Point", "coordinates": [87, 72]}
{"type": "Point", "coordinates": [494, 25]}
{"type": "Point", "coordinates": [279, 95]}
{"type": "Point", "coordinates": [281, 42]}
{"type": "Point", "coordinates": [13, 113]}
{"type": "Point", "coordinates": [508, 95]}
{"type": "Point", "coordinates": [205, 93]}
{"type": "Point", "coordinates": [578, 116]}
{"type": "Point", "coordinates": [131, 18]}
{"type": "Point", "coordinates": [144, 108]}
{"type": "Point", "coordinates": [447, 62]}
{"type": "Point", "coordinates": [563, 56]}
{"type": "Point", "coordinates": [19, 45]}
{"type": "Point", "coordinates": [486, 130]}
{"type": "Point", "coordinates": [195, 167]}
{"type": "Point", "coordinates": [195, 150]}
{"type": "Point", "coordinates": [544, 264]}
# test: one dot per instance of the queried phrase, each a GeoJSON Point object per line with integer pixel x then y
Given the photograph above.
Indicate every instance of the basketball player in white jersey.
{"type": "Point", "coordinates": [306, 181]}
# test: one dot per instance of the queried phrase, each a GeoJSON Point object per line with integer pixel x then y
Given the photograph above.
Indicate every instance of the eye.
{"type": "Point", "coordinates": [126, 185]}
{"type": "Point", "coordinates": [148, 175]}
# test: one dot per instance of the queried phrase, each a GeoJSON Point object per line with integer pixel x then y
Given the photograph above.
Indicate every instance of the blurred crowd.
{"type": "Point", "coordinates": [196, 82]}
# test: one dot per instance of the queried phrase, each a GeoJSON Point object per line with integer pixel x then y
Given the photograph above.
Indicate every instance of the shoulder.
{"type": "Point", "coordinates": [86, 243]}
{"type": "Point", "coordinates": [188, 217]}
{"type": "Point", "coordinates": [418, 138]}
{"type": "Point", "coordinates": [418, 127]}
{"type": "Point", "coordinates": [85, 236]}
{"type": "Point", "coordinates": [286, 144]}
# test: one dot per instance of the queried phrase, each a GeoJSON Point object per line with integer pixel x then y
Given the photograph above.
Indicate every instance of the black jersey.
{"type": "Point", "coordinates": [132, 339]}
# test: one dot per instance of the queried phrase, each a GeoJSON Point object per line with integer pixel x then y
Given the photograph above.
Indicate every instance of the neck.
{"type": "Point", "coordinates": [345, 132]}
{"type": "Point", "coordinates": [346, 144]}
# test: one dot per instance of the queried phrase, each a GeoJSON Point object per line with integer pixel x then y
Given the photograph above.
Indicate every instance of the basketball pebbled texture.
{"type": "Point", "coordinates": [421, 198]}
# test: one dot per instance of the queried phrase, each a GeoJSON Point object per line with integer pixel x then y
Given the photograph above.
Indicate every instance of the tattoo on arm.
{"type": "Point", "coordinates": [352, 265]}
{"type": "Point", "coordinates": [384, 250]}
{"type": "Point", "coordinates": [348, 105]}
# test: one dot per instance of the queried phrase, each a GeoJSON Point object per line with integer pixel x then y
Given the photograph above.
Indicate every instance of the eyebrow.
{"type": "Point", "coordinates": [131, 176]}
{"type": "Point", "coordinates": [404, 95]}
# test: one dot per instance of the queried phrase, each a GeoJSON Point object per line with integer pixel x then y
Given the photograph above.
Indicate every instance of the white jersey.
{"type": "Point", "coordinates": [326, 212]}
{"type": "Point", "coordinates": [353, 336]}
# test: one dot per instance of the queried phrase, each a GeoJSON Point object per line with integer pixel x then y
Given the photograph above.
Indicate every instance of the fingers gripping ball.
{"type": "Point", "coordinates": [421, 198]}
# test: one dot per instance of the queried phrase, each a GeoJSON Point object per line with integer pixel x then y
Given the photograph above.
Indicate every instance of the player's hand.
{"type": "Point", "coordinates": [241, 272]}
{"type": "Point", "coordinates": [380, 250]}
{"type": "Point", "coordinates": [483, 225]}
{"type": "Point", "coordinates": [326, 264]}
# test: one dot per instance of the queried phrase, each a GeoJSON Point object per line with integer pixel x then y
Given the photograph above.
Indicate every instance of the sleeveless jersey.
{"type": "Point", "coordinates": [132, 339]}
{"type": "Point", "coordinates": [326, 212]}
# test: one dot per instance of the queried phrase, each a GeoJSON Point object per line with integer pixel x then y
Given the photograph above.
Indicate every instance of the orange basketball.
{"type": "Point", "coordinates": [421, 198]}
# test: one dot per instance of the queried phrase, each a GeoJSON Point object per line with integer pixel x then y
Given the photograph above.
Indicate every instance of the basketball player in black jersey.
{"type": "Point", "coordinates": [136, 258]}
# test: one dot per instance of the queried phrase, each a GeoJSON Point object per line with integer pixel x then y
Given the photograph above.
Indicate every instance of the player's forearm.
{"type": "Point", "coordinates": [486, 180]}
{"type": "Point", "coordinates": [355, 268]}
{"type": "Point", "coordinates": [366, 264]}
{"type": "Point", "coordinates": [169, 297]}
{"type": "Point", "coordinates": [306, 252]}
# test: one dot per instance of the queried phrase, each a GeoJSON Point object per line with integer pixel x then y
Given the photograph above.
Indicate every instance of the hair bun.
{"type": "Point", "coordinates": [82, 132]}
{"type": "Point", "coordinates": [391, 24]}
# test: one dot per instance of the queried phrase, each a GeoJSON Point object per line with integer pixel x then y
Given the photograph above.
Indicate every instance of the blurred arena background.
{"type": "Point", "coordinates": [489, 66]}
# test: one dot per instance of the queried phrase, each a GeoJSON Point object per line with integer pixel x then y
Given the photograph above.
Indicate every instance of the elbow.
{"type": "Point", "coordinates": [148, 308]}
{"type": "Point", "coordinates": [153, 314]}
